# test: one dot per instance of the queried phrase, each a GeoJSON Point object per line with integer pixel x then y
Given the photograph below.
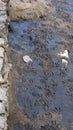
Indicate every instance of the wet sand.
{"type": "Point", "coordinates": [41, 92]}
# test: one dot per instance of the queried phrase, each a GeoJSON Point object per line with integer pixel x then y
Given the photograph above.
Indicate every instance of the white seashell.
{"type": "Point", "coordinates": [27, 59]}
{"type": "Point", "coordinates": [64, 54]}
{"type": "Point", "coordinates": [65, 62]}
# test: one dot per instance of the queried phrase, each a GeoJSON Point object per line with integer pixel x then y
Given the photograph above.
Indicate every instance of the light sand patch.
{"type": "Point", "coordinates": [26, 9]}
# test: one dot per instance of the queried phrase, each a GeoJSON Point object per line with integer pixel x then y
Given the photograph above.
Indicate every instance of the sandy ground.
{"type": "Point", "coordinates": [41, 93]}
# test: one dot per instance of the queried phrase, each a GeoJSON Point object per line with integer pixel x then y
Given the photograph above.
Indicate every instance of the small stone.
{"type": "Point", "coordinates": [3, 121]}
{"type": "Point", "coordinates": [1, 79]}
{"type": "Point", "coordinates": [1, 52]}
{"type": "Point", "coordinates": [1, 64]}
{"type": "Point", "coordinates": [2, 12]}
{"type": "Point", "coordinates": [2, 108]}
{"type": "Point", "coordinates": [2, 6]}
{"type": "Point", "coordinates": [3, 18]}
{"type": "Point", "coordinates": [27, 59]}
{"type": "Point", "coordinates": [2, 42]}
{"type": "Point", "coordinates": [64, 55]}
{"type": "Point", "coordinates": [2, 26]}
{"type": "Point", "coordinates": [3, 96]}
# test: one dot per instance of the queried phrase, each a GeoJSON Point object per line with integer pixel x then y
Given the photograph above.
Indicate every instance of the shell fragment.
{"type": "Point", "coordinates": [64, 54]}
{"type": "Point", "coordinates": [27, 59]}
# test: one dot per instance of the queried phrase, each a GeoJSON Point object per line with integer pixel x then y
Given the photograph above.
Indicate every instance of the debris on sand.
{"type": "Point", "coordinates": [64, 55]}
{"type": "Point", "coordinates": [27, 59]}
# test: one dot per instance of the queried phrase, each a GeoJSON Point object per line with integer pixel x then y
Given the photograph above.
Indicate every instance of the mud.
{"type": "Point", "coordinates": [41, 93]}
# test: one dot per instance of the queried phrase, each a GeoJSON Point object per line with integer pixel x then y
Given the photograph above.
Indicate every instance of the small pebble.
{"type": "Point", "coordinates": [1, 64]}
{"type": "Point", "coordinates": [2, 108]}
{"type": "Point", "coordinates": [2, 122]}
{"type": "Point", "coordinates": [3, 18]}
{"type": "Point", "coordinates": [1, 52]}
{"type": "Point", "coordinates": [3, 96]}
{"type": "Point", "coordinates": [1, 79]}
{"type": "Point", "coordinates": [2, 42]}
